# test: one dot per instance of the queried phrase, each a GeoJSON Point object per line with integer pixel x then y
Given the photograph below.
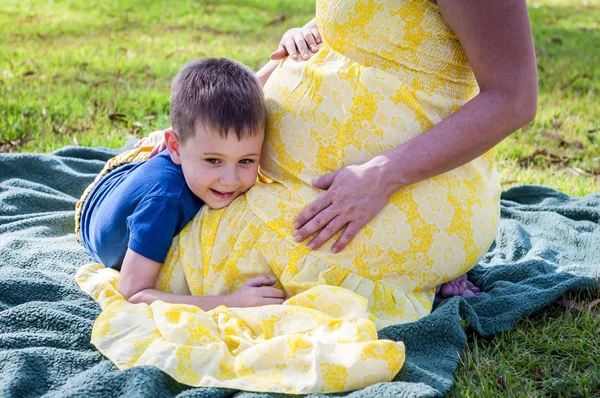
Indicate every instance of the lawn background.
{"type": "Point", "coordinates": [95, 73]}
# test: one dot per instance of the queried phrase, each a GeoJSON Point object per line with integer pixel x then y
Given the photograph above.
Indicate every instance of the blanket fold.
{"type": "Point", "coordinates": [548, 244]}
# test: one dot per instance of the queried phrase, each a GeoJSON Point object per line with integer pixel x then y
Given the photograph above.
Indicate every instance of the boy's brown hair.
{"type": "Point", "coordinates": [217, 94]}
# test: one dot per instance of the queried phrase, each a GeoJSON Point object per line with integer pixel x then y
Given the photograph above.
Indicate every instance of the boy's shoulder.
{"type": "Point", "coordinates": [159, 176]}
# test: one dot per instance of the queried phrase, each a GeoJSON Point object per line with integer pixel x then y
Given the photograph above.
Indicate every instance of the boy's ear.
{"type": "Point", "coordinates": [172, 143]}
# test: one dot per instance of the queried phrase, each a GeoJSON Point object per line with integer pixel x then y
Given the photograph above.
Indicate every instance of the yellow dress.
{"type": "Point", "coordinates": [387, 71]}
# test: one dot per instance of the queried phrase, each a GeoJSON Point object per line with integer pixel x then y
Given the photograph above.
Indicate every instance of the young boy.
{"type": "Point", "coordinates": [130, 215]}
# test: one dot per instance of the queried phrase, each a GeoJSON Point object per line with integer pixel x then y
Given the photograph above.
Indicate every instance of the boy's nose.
{"type": "Point", "coordinates": [230, 177]}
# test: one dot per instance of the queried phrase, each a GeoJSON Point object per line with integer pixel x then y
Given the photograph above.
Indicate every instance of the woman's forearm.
{"type": "Point", "coordinates": [465, 135]}
{"type": "Point", "coordinates": [206, 303]}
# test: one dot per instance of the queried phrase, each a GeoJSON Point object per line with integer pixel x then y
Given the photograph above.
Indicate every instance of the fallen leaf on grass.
{"type": "Point", "coordinates": [578, 171]}
{"type": "Point", "coordinates": [551, 157]}
{"type": "Point", "coordinates": [173, 28]}
{"type": "Point", "coordinates": [117, 117]}
{"type": "Point", "coordinates": [562, 142]}
{"type": "Point", "coordinates": [554, 136]}
{"type": "Point", "coordinates": [214, 30]}
{"type": "Point", "coordinates": [573, 305]}
{"type": "Point", "coordinates": [87, 82]}
{"type": "Point", "coordinates": [593, 304]}
{"type": "Point", "coordinates": [11, 145]}
{"type": "Point", "coordinates": [96, 84]}
{"type": "Point", "coordinates": [580, 76]}
{"type": "Point", "coordinates": [277, 21]}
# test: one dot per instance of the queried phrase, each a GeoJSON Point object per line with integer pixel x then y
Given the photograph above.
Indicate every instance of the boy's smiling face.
{"type": "Point", "coordinates": [217, 169]}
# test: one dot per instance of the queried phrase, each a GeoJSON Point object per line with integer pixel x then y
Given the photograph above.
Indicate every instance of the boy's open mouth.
{"type": "Point", "coordinates": [222, 195]}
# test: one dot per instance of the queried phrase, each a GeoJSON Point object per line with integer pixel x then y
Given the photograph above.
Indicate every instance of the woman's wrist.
{"type": "Point", "coordinates": [388, 175]}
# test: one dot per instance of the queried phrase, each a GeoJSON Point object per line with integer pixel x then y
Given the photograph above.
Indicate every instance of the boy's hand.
{"type": "Point", "coordinates": [156, 139]}
{"type": "Point", "coordinates": [257, 292]}
{"type": "Point", "coordinates": [298, 41]}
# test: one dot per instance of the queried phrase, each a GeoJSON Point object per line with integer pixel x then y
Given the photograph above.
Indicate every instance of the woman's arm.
{"type": "Point", "coordinates": [497, 38]}
{"type": "Point", "coordinates": [496, 35]}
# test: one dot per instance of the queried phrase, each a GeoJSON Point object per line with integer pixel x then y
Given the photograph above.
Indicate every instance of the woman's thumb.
{"type": "Point", "coordinates": [324, 182]}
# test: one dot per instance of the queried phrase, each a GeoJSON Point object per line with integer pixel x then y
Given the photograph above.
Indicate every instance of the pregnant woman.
{"type": "Point", "coordinates": [395, 117]}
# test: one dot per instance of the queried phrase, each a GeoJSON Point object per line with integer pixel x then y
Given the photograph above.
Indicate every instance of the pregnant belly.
{"type": "Point", "coordinates": [330, 112]}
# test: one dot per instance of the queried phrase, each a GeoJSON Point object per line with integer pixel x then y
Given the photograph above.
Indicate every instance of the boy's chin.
{"type": "Point", "coordinates": [217, 205]}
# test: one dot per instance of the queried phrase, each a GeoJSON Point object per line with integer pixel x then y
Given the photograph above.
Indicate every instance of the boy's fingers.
{"type": "Point", "coordinates": [317, 35]}
{"type": "Point", "coordinates": [272, 292]}
{"type": "Point", "coordinates": [310, 40]}
{"type": "Point", "coordinates": [261, 281]}
{"type": "Point", "coordinates": [158, 148]}
{"type": "Point", "coordinates": [301, 44]}
{"type": "Point", "coordinates": [290, 47]}
{"type": "Point", "coordinates": [272, 301]}
{"type": "Point", "coordinates": [281, 52]}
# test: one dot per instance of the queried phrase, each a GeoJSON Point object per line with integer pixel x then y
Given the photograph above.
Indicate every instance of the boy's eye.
{"type": "Point", "coordinates": [213, 161]}
{"type": "Point", "coordinates": [246, 161]}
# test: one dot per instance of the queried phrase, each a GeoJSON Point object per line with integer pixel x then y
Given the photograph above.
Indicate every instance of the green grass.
{"type": "Point", "coordinates": [73, 72]}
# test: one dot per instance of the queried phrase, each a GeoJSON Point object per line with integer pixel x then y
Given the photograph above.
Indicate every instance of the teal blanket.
{"type": "Point", "coordinates": [548, 244]}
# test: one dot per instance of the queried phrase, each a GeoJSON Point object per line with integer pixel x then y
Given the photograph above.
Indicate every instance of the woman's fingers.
{"type": "Point", "coordinates": [321, 220]}
{"type": "Point", "coordinates": [335, 225]}
{"type": "Point", "coordinates": [321, 203]}
{"type": "Point", "coordinates": [349, 233]}
{"type": "Point", "coordinates": [325, 181]}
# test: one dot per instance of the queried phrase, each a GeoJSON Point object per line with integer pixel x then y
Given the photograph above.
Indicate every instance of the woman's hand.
{"type": "Point", "coordinates": [156, 139]}
{"type": "Point", "coordinates": [303, 41]}
{"type": "Point", "coordinates": [354, 196]}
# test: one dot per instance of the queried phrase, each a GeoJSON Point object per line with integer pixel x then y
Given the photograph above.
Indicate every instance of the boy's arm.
{"type": "Point", "coordinates": [138, 279]}
{"type": "Point", "coordinates": [304, 40]}
{"type": "Point", "coordinates": [265, 72]}
{"type": "Point", "coordinates": [139, 275]}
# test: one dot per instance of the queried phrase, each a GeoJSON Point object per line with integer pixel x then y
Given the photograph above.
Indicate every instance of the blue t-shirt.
{"type": "Point", "coordinates": [140, 205]}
